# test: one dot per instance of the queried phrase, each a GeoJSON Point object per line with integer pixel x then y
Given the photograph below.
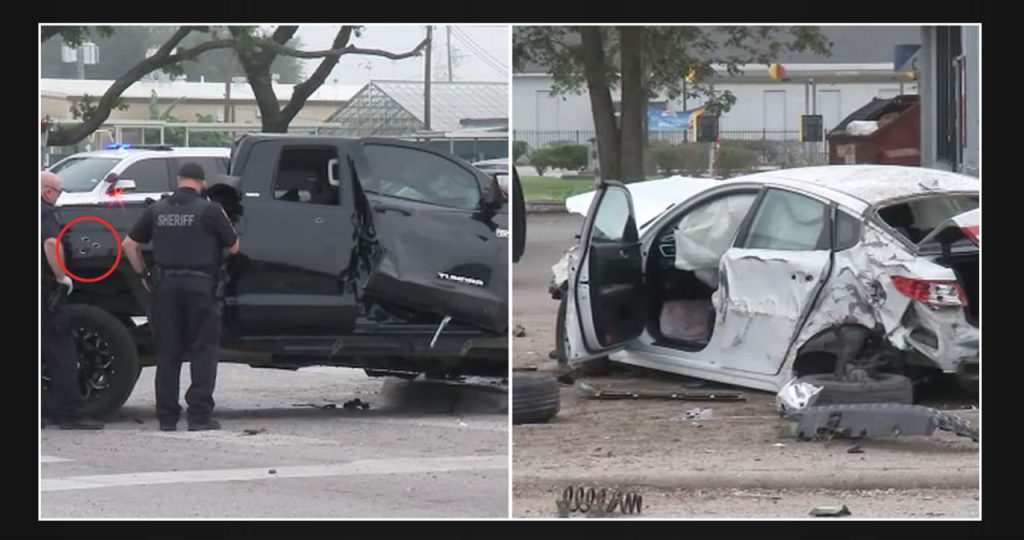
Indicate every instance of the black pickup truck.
{"type": "Point", "coordinates": [368, 253]}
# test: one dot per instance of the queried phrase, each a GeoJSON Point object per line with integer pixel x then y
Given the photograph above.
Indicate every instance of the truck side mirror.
{"type": "Point", "coordinates": [492, 197]}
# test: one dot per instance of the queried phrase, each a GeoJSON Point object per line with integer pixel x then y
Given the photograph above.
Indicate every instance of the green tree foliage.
{"type": "Point", "coordinates": [650, 62]}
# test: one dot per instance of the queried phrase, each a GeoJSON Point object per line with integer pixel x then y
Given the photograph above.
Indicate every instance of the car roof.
{"type": "Point", "coordinates": [123, 153]}
{"type": "Point", "coordinates": [869, 185]}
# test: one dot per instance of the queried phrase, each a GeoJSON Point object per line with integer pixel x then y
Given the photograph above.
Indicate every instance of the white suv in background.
{"type": "Point", "coordinates": [127, 174]}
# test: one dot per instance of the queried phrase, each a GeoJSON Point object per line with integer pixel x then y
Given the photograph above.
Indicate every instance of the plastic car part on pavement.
{"type": "Point", "coordinates": [871, 420]}
{"type": "Point", "coordinates": [796, 396]}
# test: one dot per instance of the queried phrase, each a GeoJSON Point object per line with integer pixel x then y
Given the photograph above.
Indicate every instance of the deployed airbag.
{"type": "Point", "coordinates": [704, 234]}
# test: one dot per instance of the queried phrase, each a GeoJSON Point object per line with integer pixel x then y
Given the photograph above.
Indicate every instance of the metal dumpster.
{"type": "Point", "coordinates": [886, 131]}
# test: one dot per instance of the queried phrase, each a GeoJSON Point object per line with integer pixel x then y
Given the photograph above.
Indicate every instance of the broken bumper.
{"type": "Point", "coordinates": [944, 337]}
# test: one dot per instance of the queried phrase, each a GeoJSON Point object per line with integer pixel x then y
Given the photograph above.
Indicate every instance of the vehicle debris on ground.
{"type": "Point", "coordinates": [831, 511]}
{"type": "Point", "coordinates": [681, 393]}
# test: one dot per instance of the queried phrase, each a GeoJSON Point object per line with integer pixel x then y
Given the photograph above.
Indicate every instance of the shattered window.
{"type": "Point", "coordinates": [916, 218]}
{"type": "Point", "coordinates": [789, 221]}
{"type": "Point", "coordinates": [413, 174]}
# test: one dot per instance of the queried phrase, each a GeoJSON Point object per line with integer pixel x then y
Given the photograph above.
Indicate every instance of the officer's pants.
{"type": "Point", "coordinates": [62, 398]}
{"type": "Point", "coordinates": [187, 323]}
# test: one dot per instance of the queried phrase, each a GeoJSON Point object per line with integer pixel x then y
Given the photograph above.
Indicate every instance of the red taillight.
{"type": "Point", "coordinates": [931, 292]}
{"type": "Point", "coordinates": [973, 232]}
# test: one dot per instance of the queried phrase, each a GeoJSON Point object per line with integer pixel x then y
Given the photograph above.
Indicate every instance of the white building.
{"type": "Point", "coordinates": [860, 68]}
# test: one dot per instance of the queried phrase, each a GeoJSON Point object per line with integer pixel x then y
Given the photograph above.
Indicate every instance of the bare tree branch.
{"type": "Point", "coordinates": [338, 51]}
{"type": "Point", "coordinates": [163, 57]}
{"type": "Point", "coordinates": [283, 33]}
{"type": "Point", "coordinates": [302, 91]}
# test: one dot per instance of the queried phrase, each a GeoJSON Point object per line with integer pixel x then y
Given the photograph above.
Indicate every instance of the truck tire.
{"type": "Point", "coordinates": [535, 398]}
{"type": "Point", "coordinates": [108, 361]}
{"type": "Point", "coordinates": [883, 388]}
{"type": "Point", "coordinates": [595, 366]}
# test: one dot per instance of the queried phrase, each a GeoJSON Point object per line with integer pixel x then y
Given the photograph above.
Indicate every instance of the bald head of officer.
{"type": "Point", "coordinates": [49, 187]}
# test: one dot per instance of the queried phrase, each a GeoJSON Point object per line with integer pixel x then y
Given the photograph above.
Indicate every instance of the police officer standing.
{"type": "Point", "coordinates": [190, 235]}
{"type": "Point", "coordinates": [64, 401]}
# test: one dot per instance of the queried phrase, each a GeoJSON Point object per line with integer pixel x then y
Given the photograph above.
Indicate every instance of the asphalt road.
{"type": "Point", "coordinates": [739, 463]}
{"type": "Point", "coordinates": [422, 450]}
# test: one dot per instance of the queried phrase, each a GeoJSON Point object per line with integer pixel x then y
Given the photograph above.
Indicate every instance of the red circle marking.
{"type": "Point", "coordinates": [60, 261]}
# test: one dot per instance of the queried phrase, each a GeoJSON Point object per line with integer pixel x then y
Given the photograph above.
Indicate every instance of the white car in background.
{"type": "Point", "coordinates": [123, 173]}
{"type": "Point", "coordinates": [850, 273]}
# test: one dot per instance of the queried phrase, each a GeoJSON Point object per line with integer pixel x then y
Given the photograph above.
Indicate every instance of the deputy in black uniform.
{"type": "Point", "coordinates": [190, 234]}
{"type": "Point", "coordinates": [63, 399]}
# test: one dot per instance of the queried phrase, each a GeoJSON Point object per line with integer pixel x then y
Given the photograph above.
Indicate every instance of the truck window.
{"type": "Point", "coordinates": [212, 166]}
{"type": "Point", "coordinates": [150, 175]}
{"type": "Point", "coordinates": [302, 176]}
{"type": "Point", "coordinates": [417, 175]}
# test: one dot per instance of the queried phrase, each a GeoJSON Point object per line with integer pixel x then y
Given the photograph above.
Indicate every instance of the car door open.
{"type": "Point", "coordinates": [606, 306]}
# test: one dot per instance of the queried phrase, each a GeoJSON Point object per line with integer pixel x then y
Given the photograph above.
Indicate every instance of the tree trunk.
{"type": "Point", "coordinates": [600, 101]}
{"type": "Point", "coordinates": [631, 146]}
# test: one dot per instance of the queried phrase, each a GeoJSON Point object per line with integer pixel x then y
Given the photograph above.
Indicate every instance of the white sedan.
{"type": "Point", "coordinates": [832, 271]}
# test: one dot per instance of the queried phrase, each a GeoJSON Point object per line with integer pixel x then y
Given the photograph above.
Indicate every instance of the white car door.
{"type": "Point", "coordinates": [605, 301]}
{"type": "Point", "coordinates": [770, 280]}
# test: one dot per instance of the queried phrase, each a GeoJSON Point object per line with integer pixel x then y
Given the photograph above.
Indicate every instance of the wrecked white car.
{"type": "Point", "coordinates": [849, 273]}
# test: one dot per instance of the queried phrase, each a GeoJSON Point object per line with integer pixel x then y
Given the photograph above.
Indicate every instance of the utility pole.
{"type": "Point", "coordinates": [227, 97]}
{"type": "Point", "coordinates": [426, 80]}
{"type": "Point", "coordinates": [448, 42]}
{"type": "Point", "coordinates": [81, 62]}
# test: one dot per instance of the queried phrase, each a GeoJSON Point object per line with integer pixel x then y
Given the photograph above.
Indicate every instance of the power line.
{"type": "Point", "coordinates": [476, 47]}
{"type": "Point", "coordinates": [495, 65]}
{"type": "Point", "coordinates": [470, 42]}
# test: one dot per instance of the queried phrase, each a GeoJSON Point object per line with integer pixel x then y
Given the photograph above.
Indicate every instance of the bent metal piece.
{"type": "Point", "coordinates": [877, 420]}
{"type": "Point", "coordinates": [682, 394]}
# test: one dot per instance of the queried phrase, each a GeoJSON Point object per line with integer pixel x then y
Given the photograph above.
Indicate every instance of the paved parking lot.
{"type": "Point", "coordinates": [420, 450]}
{"type": "Point", "coordinates": [738, 463]}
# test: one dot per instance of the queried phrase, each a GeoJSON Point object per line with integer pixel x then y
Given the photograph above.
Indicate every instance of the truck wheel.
{"type": "Point", "coordinates": [883, 388]}
{"type": "Point", "coordinates": [596, 366]}
{"type": "Point", "coordinates": [108, 362]}
{"type": "Point", "coordinates": [535, 398]}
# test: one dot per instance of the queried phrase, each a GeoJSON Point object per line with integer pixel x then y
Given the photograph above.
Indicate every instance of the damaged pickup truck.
{"type": "Point", "coordinates": [368, 253]}
{"type": "Point", "coordinates": [862, 278]}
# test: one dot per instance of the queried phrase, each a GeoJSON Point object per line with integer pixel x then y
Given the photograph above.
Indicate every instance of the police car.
{"type": "Point", "coordinates": [125, 173]}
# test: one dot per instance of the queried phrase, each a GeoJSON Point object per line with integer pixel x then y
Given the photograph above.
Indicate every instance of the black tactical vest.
{"type": "Point", "coordinates": [180, 240]}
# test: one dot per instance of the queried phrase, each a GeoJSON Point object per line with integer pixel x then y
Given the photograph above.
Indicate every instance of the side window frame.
{"type": "Point", "coordinates": [170, 175]}
{"type": "Point", "coordinates": [857, 228]}
{"type": "Point", "coordinates": [344, 175]}
{"type": "Point", "coordinates": [375, 179]}
{"type": "Point", "coordinates": [743, 237]}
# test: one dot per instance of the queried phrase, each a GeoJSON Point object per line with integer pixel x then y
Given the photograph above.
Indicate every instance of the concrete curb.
{"type": "Point", "coordinates": [849, 479]}
{"type": "Point", "coordinates": [545, 207]}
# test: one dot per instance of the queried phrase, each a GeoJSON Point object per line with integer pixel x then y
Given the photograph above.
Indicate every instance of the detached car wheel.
{"type": "Point", "coordinates": [108, 362]}
{"type": "Point", "coordinates": [883, 388]}
{"type": "Point", "coordinates": [535, 398]}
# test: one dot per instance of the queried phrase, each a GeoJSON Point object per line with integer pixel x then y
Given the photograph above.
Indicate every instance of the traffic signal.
{"type": "Point", "coordinates": [812, 128]}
